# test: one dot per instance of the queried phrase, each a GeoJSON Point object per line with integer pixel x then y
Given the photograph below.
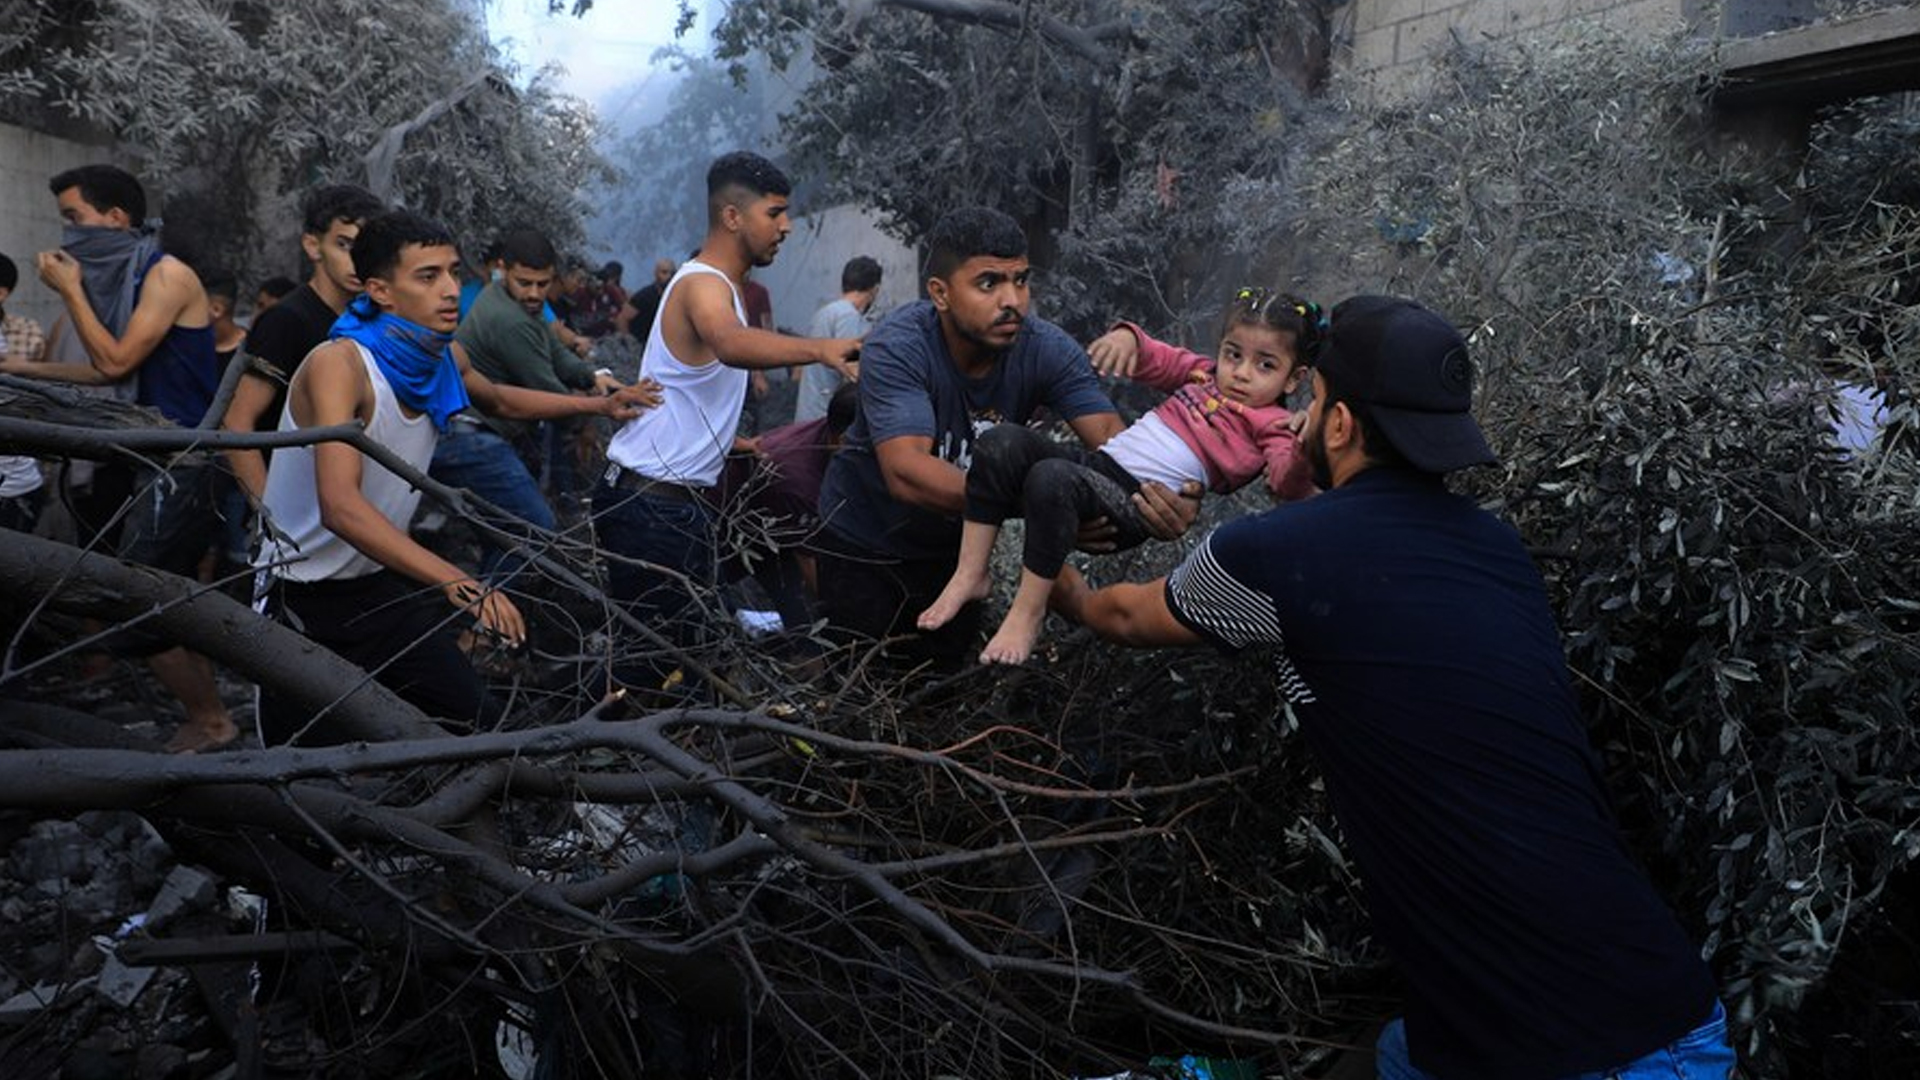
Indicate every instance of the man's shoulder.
{"type": "Point", "coordinates": [1046, 339]}
{"type": "Point", "coordinates": [914, 323]}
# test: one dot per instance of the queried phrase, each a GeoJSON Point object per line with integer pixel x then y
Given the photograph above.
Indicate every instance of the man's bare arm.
{"type": "Point", "coordinates": [701, 322]}
{"type": "Point", "coordinates": [165, 296]}
{"type": "Point", "coordinates": [915, 476]}
{"type": "Point", "coordinates": [251, 399]}
{"type": "Point", "coordinates": [331, 389]}
{"type": "Point", "coordinates": [520, 403]}
{"type": "Point", "coordinates": [1130, 613]}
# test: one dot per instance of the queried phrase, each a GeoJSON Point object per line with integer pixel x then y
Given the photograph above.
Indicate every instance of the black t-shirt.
{"type": "Point", "coordinates": [1415, 647]}
{"type": "Point", "coordinates": [282, 336]}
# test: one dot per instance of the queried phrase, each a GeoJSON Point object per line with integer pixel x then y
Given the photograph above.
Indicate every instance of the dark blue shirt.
{"type": "Point", "coordinates": [909, 386]}
{"type": "Point", "coordinates": [181, 374]}
{"type": "Point", "coordinates": [1414, 644]}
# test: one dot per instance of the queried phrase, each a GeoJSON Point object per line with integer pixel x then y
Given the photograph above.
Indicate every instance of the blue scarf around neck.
{"type": "Point", "coordinates": [417, 362]}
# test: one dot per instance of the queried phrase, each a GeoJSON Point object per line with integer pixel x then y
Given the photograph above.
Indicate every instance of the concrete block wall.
{"type": "Point", "coordinates": [1389, 42]}
{"type": "Point", "coordinates": [28, 221]}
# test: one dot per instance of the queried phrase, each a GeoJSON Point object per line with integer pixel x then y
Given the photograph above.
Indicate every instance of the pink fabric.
{"type": "Point", "coordinates": [1234, 441]}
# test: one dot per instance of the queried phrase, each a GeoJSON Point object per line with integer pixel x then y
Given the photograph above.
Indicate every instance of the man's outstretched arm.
{"type": "Point", "coordinates": [1130, 613]}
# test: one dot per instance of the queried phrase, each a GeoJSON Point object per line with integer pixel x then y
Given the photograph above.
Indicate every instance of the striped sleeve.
{"type": "Point", "coordinates": [1209, 600]}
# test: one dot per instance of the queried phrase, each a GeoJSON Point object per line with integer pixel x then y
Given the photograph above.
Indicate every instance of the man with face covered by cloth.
{"type": "Point", "coordinates": [144, 321]}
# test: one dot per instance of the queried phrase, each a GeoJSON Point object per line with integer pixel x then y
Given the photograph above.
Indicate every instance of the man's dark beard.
{"type": "Point", "coordinates": [1314, 445]}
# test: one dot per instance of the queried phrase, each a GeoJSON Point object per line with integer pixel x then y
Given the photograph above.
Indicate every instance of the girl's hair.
{"type": "Point", "coordinates": [1257, 306]}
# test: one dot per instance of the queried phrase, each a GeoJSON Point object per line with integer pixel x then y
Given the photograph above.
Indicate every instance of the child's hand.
{"type": "Point", "coordinates": [1115, 353]}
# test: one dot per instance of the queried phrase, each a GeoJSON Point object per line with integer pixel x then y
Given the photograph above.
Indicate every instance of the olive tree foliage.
{"type": "Point", "coordinates": [1663, 329]}
{"type": "Point", "coordinates": [1112, 130]}
{"type": "Point", "coordinates": [657, 204]}
{"type": "Point", "coordinates": [236, 106]}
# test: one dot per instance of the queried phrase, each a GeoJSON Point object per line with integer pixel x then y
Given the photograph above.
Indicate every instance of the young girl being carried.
{"type": "Point", "coordinates": [1222, 424]}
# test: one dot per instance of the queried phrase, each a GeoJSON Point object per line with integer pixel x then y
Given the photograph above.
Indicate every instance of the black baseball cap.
{"type": "Point", "coordinates": [1410, 367]}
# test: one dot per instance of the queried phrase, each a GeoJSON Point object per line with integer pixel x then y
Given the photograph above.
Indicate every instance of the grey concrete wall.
{"type": "Point", "coordinates": [806, 274]}
{"type": "Point", "coordinates": [28, 221]}
{"type": "Point", "coordinates": [1391, 41]}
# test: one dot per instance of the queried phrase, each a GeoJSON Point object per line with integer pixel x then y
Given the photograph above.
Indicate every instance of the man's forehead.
{"type": "Point", "coordinates": [415, 256]}
{"type": "Point", "coordinates": [981, 265]}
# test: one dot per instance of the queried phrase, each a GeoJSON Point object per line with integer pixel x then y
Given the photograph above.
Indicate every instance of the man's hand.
{"type": "Point", "coordinates": [607, 384]}
{"type": "Point", "coordinates": [59, 270]}
{"type": "Point", "coordinates": [1168, 515]}
{"type": "Point", "coordinates": [843, 356]}
{"type": "Point", "coordinates": [630, 401]}
{"type": "Point", "coordinates": [759, 385]}
{"type": "Point", "coordinates": [491, 607]}
{"type": "Point", "coordinates": [1115, 353]}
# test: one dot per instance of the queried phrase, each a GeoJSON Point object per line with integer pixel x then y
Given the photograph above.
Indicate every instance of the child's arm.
{"type": "Point", "coordinates": [1289, 477]}
{"type": "Point", "coordinates": [1157, 364]}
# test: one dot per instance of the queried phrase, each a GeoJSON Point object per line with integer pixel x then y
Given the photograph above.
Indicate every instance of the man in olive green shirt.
{"type": "Point", "coordinates": [508, 342]}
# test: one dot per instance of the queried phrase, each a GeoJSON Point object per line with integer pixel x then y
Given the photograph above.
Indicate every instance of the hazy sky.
{"type": "Point", "coordinates": [606, 52]}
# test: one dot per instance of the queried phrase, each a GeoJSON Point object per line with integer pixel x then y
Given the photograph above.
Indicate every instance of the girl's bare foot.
{"type": "Point", "coordinates": [961, 590]}
{"type": "Point", "coordinates": [1013, 642]}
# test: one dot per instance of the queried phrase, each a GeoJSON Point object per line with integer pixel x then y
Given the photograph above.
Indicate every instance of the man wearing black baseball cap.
{"type": "Point", "coordinates": [1413, 643]}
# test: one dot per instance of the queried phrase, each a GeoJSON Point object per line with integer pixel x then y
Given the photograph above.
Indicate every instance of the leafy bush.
{"type": "Point", "coordinates": [1662, 329]}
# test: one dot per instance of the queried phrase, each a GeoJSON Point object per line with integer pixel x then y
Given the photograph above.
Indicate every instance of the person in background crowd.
{"type": "Point", "coordinates": [843, 317]}
{"type": "Point", "coordinates": [21, 485]}
{"type": "Point", "coordinates": [282, 336]}
{"type": "Point", "coordinates": [272, 291]}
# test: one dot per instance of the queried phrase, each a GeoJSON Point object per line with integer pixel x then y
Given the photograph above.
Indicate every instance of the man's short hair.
{"type": "Point", "coordinates": [527, 247]}
{"type": "Point", "coordinates": [742, 176]}
{"type": "Point", "coordinates": [337, 202]}
{"type": "Point", "coordinates": [9, 273]}
{"type": "Point", "coordinates": [105, 188]}
{"type": "Point", "coordinates": [860, 274]}
{"type": "Point", "coordinates": [969, 232]}
{"type": "Point", "coordinates": [613, 272]}
{"type": "Point", "coordinates": [843, 407]}
{"type": "Point", "coordinates": [278, 286]}
{"type": "Point", "coordinates": [220, 282]}
{"type": "Point", "coordinates": [376, 251]}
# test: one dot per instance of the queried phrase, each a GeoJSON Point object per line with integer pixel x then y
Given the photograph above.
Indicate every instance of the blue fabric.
{"type": "Point", "coordinates": [674, 534]}
{"type": "Point", "coordinates": [1413, 644]}
{"type": "Point", "coordinates": [485, 464]}
{"type": "Point", "coordinates": [417, 362]}
{"type": "Point", "coordinates": [1701, 1054]}
{"type": "Point", "coordinates": [909, 386]}
{"type": "Point", "coordinates": [181, 375]}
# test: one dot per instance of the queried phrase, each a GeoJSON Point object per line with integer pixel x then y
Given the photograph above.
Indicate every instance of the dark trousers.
{"type": "Point", "coordinates": [672, 531]}
{"type": "Point", "coordinates": [403, 633]}
{"type": "Point", "coordinates": [865, 598]}
{"type": "Point", "coordinates": [1018, 472]}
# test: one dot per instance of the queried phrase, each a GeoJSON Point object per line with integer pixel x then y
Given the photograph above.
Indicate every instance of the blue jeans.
{"type": "Point", "coordinates": [485, 464]}
{"type": "Point", "coordinates": [670, 532]}
{"type": "Point", "coordinates": [1700, 1054]}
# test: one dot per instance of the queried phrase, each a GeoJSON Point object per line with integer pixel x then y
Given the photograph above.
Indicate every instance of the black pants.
{"type": "Point", "coordinates": [399, 631]}
{"type": "Point", "coordinates": [1018, 472]}
{"type": "Point", "coordinates": [869, 598]}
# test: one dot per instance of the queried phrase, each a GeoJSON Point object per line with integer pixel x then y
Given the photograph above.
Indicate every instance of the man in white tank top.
{"type": "Point", "coordinates": [650, 506]}
{"type": "Point", "coordinates": [342, 568]}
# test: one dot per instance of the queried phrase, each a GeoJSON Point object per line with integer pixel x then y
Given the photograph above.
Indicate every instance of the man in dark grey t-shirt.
{"type": "Point", "coordinates": [934, 374]}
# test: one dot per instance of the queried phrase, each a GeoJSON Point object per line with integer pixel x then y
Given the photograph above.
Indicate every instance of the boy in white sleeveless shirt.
{"type": "Point", "coordinates": [340, 565]}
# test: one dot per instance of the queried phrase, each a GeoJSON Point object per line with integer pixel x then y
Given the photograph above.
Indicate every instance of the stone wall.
{"type": "Point", "coordinates": [28, 221]}
{"type": "Point", "coordinates": [1390, 41]}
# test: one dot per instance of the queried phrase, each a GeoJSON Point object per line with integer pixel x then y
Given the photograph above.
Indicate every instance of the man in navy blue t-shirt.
{"type": "Point", "coordinates": [934, 374]}
{"type": "Point", "coordinates": [1412, 640]}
